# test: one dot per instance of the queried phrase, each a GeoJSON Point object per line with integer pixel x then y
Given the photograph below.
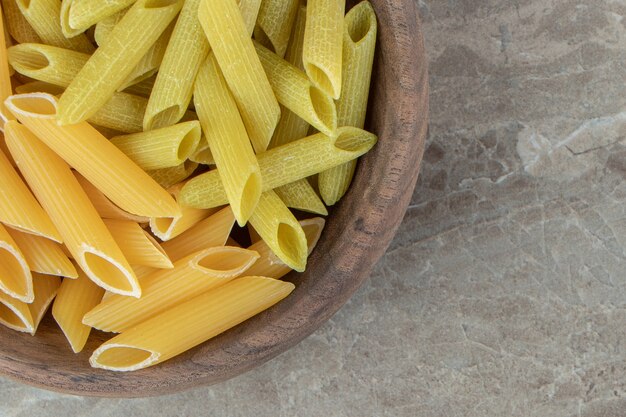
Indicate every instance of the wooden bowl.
{"type": "Point", "coordinates": [357, 234]}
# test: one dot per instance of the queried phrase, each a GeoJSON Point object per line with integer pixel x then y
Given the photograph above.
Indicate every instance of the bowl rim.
{"type": "Point", "coordinates": [358, 242]}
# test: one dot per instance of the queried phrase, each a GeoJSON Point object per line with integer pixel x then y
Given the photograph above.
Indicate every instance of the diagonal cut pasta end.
{"type": "Point", "coordinates": [224, 261]}
{"type": "Point", "coordinates": [320, 78]}
{"type": "Point", "coordinates": [120, 357]}
{"type": "Point", "coordinates": [35, 105]}
{"type": "Point", "coordinates": [15, 315]}
{"type": "Point", "coordinates": [293, 246]}
{"type": "Point", "coordinates": [355, 140]}
{"type": "Point", "coordinates": [108, 273]}
{"type": "Point", "coordinates": [15, 277]}
{"type": "Point", "coordinates": [249, 198]}
{"type": "Point", "coordinates": [325, 111]}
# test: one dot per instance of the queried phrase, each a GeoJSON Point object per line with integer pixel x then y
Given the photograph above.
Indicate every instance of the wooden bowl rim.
{"type": "Point", "coordinates": [368, 226]}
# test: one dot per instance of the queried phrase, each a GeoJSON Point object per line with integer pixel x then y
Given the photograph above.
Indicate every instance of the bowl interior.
{"type": "Point", "coordinates": [357, 233]}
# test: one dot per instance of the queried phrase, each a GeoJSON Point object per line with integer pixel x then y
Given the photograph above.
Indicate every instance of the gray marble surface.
{"type": "Point", "coordinates": [504, 293]}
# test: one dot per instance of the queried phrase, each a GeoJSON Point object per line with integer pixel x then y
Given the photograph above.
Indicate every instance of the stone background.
{"type": "Point", "coordinates": [504, 293]}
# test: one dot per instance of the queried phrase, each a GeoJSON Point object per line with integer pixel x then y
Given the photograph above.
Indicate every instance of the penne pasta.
{"type": "Point", "coordinates": [166, 228]}
{"type": "Point", "coordinates": [138, 246]}
{"type": "Point", "coordinates": [54, 65]}
{"type": "Point", "coordinates": [44, 17]}
{"type": "Point", "coordinates": [74, 299]}
{"type": "Point", "coordinates": [114, 60]}
{"type": "Point", "coordinates": [105, 26]}
{"type": "Point", "coordinates": [84, 233]}
{"type": "Point", "coordinates": [161, 148]}
{"type": "Point", "coordinates": [290, 126]}
{"type": "Point", "coordinates": [150, 62]}
{"type": "Point", "coordinates": [142, 88]}
{"type": "Point", "coordinates": [280, 230]}
{"type": "Point", "coordinates": [94, 157]}
{"type": "Point", "coordinates": [210, 232]}
{"type": "Point", "coordinates": [321, 53]}
{"type": "Point", "coordinates": [173, 87]}
{"type": "Point", "coordinates": [5, 74]}
{"type": "Point", "coordinates": [228, 140]}
{"type": "Point", "coordinates": [105, 208]}
{"type": "Point", "coordinates": [300, 195]}
{"type": "Point", "coordinates": [18, 207]}
{"type": "Point", "coordinates": [359, 42]}
{"type": "Point", "coordinates": [167, 177]}
{"type": "Point", "coordinates": [268, 265]}
{"type": "Point", "coordinates": [295, 92]}
{"type": "Point", "coordinates": [273, 26]}
{"type": "Point", "coordinates": [123, 112]}
{"type": "Point", "coordinates": [43, 255]}
{"type": "Point", "coordinates": [38, 87]}
{"type": "Point", "coordinates": [78, 15]}
{"type": "Point", "coordinates": [285, 164]}
{"type": "Point", "coordinates": [15, 278]}
{"type": "Point", "coordinates": [17, 25]}
{"type": "Point", "coordinates": [249, 13]}
{"type": "Point", "coordinates": [234, 51]}
{"type": "Point", "coordinates": [183, 327]}
{"type": "Point", "coordinates": [203, 154]}
{"type": "Point", "coordinates": [162, 290]}
{"type": "Point", "coordinates": [24, 317]}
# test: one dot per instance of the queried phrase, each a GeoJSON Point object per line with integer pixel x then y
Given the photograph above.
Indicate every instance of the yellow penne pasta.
{"type": "Point", "coordinates": [183, 327]}
{"type": "Point", "coordinates": [273, 26]}
{"type": "Point", "coordinates": [17, 25]}
{"type": "Point", "coordinates": [234, 51]}
{"type": "Point", "coordinates": [359, 43]}
{"type": "Point", "coordinates": [142, 88]}
{"type": "Point", "coordinates": [301, 196]}
{"type": "Point", "coordinates": [167, 177]}
{"type": "Point", "coordinates": [15, 277]}
{"type": "Point", "coordinates": [94, 157]}
{"type": "Point", "coordinates": [295, 92]}
{"type": "Point", "coordinates": [203, 154]}
{"type": "Point", "coordinates": [174, 83]}
{"type": "Point", "coordinates": [280, 230]}
{"type": "Point", "coordinates": [162, 290]}
{"type": "Point", "coordinates": [19, 208]}
{"type": "Point", "coordinates": [322, 44]}
{"type": "Point", "coordinates": [166, 228]}
{"type": "Point", "coordinates": [123, 112]}
{"type": "Point", "coordinates": [105, 26]}
{"type": "Point", "coordinates": [75, 298]}
{"type": "Point", "coordinates": [268, 265]}
{"type": "Point", "coordinates": [44, 17]}
{"type": "Point", "coordinates": [114, 60]}
{"type": "Point", "coordinates": [150, 62]}
{"type": "Point", "coordinates": [290, 126]}
{"type": "Point", "coordinates": [5, 74]}
{"type": "Point", "coordinates": [228, 140]}
{"type": "Point", "coordinates": [249, 13]}
{"type": "Point", "coordinates": [138, 246]}
{"type": "Point", "coordinates": [210, 232]}
{"type": "Point", "coordinates": [78, 15]}
{"type": "Point", "coordinates": [285, 164]}
{"type": "Point", "coordinates": [43, 255]}
{"type": "Point", "coordinates": [105, 207]}
{"type": "Point", "coordinates": [47, 63]}
{"type": "Point", "coordinates": [23, 317]}
{"type": "Point", "coordinates": [38, 87]}
{"type": "Point", "coordinates": [84, 233]}
{"type": "Point", "coordinates": [161, 148]}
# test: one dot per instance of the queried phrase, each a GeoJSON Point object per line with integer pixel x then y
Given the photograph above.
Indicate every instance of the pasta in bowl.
{"type": "Point", "coordinates": [268, 107]}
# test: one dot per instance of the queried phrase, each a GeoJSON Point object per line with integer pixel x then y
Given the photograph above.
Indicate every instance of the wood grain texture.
{"type": "Point", "coordinates": [358, 231]}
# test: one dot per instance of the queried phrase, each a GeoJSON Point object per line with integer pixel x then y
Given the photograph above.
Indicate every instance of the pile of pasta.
{"type": "Point", "coordinates": [137, 132]}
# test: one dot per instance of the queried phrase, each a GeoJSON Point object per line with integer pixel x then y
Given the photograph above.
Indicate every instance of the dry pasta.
{"type": "Point", "coordinates": [84, 233]}
{"type": "Point", "coordinates": [138, 246]}
{"type": "Point", "coordinates": [228, 140]}
{"type": "Point", "coordinates": [15, 277]}
{"type": "Point", "coordinates": [75, 298]}
{"type": "Point", "coordinates": [94, 157]}
{"type": "Point", "coordinates": [285, 164]}
{"type": "Point", "coordinates": [234, 51]}
{"type": "Point", "coordinates": [43, 255]}
{"type": "Point", "coordinates": [274, 23]}
{"type": "Point", "coordinates": [182, 327]}
{"type": "Point", "coordinates": [17, 25]}
{"type": "Point", "coordinates": [191, 276]}
{"type": "Point", "coordinates": [321, 53]}
{"type": "Point", "coordinates": [359, 42]}
{"type": "Point", "coordinates": [300, 195]}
